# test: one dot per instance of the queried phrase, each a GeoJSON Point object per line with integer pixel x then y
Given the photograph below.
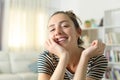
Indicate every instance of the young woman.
{"type": "Point", "coordinates": [64, 58]}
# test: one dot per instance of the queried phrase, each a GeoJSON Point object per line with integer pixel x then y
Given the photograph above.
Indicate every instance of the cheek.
{"type": "Point", "coordinates": [76, 36]}
{"type": "Point", "coordinates": [73, 33]}
{"type": "Point", "coordinates": [50, 36]}
{"type": "Point", "coordinates": [69, 31]}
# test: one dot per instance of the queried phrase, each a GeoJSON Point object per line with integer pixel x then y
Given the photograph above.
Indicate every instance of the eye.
{"type": "Point", "coordinates": [65, 25]}
{"type": "Point", "coordinates": [51, 30]}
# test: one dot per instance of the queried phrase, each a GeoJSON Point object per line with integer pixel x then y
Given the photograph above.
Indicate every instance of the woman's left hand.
{"type": "Point", "coordinates": [96, 48]}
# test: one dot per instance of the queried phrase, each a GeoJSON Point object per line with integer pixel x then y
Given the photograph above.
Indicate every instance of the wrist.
{"type": "Point", "coordinates": [85, 55]}
{"type": "Point", "coordinates": [65, 57]}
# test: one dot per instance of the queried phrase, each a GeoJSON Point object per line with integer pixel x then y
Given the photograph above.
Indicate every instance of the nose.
{"type": "Point", "coordinates": [58, 31]}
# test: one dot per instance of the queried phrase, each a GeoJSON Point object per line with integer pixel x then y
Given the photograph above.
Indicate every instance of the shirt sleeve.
{"type": "Point", "coordinates": [97, 66]}
{"type": "Point", "coordinates": [45, 64]}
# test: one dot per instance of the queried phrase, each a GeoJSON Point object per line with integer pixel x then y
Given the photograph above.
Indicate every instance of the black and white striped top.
{"type": "Point", "coordinates": [96, 66]}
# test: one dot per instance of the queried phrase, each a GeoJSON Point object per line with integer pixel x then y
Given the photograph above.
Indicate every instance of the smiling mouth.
{"type": "Point", "coordinates": [59, 40]}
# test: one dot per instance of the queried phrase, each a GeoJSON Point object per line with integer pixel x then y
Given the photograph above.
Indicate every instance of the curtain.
{"type": "Point", "coordinates": [27, 25]}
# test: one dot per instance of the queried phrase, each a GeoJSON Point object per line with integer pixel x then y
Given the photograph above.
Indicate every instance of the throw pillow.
{"type": "Point", "coordinates": [33, 67]}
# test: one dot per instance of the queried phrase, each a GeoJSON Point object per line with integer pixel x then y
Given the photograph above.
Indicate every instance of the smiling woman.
{"type": "Point", "coordinates": [64, 57]}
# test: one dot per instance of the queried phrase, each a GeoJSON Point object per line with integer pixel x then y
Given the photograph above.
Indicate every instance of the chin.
{"type": "Point", "coordinates": [64, 45]}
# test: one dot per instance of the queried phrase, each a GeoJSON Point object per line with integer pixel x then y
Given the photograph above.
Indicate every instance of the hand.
{"type": "Point", "coordinates": [55, 48]}
{"type": "Point", "coordinates": [96, 48]}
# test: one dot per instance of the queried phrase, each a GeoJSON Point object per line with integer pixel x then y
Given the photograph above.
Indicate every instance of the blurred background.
{"type": "Point", "coordinates": [23, 31]}
{"type": "Point", "coordinates": [23, 22]}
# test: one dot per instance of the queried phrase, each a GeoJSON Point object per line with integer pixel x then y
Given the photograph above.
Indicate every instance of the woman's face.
{"type": "Point", "coordinates": [62, 30]}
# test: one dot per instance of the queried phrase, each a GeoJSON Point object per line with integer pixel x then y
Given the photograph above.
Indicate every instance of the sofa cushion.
{"type": "Point", "coordinates": [10, 77]}
{"type": "Point", "coordinates": [28, 76]}
{"type": "Point", "coordinates": [33, 67]}
{"type": "Point", "coordinates": [4, 63]}
{"type": "Point", "coordinates": [20, 61]}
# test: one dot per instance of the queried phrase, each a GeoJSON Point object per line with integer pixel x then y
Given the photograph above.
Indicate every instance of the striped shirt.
{"type": "Point", "coordinates": [96, 66]}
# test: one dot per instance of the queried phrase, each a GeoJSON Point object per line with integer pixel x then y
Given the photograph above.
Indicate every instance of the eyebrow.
{"type": "Point", "coordinates": [59, 23]}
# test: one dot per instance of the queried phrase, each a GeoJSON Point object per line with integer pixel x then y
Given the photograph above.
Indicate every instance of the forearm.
{"type": "Point", "coordinates": [60, 69]}
{"type": "Point", "coordinates": [80, 73]}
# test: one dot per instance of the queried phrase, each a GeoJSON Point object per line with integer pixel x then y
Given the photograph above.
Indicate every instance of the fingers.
{"type": "Point", "coordinates": [47, 43]}
{"type": "Point", "coordinates": [100, 46]}
{"type": "Point", "coordinates": [95, 43]}
{"type": "Point", "coordinates": [96, 48]}
{"type": "Point", "coordinates": [49, 46]}
{"type": "Point", "coordinates": [50, 42]}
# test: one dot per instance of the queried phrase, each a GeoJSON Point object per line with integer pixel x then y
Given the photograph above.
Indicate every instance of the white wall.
{"type": "Point", "coordinates": [87, 9]}
{"type": "Point", "coordinates": [53, 5]}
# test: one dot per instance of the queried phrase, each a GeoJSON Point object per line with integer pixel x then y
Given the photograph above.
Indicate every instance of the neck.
{"type": "Point", "coordinates": [74, 59]}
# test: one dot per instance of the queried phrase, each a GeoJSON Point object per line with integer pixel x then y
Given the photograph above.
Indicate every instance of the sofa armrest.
{"type": "Point", "coordinates": [4, 62]}
{"type": "Point", "coordinates": [20, 61]}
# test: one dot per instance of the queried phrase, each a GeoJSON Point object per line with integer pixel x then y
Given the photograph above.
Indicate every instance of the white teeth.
{"type": "Point", "coordinates": [61, 39]}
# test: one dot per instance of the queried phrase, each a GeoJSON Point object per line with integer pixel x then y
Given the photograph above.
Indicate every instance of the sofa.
{"type": "Point", "coordinates": [18, 66]}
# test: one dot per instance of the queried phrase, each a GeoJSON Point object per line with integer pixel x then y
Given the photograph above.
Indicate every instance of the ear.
{"type": "Point", "coordinates": [79, 31]}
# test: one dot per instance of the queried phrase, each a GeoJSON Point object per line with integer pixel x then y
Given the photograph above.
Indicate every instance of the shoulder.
{"type": "Point", "coordinates": [44, 53]}
{"type": "Point", "coordinates": [46, 63]}
{"type": "Point", "coordinates": [99, 58]}
{"type": "Point", "coordinates": [45, 56]}
{"type": "Point", "coordinates": [97, 66]}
